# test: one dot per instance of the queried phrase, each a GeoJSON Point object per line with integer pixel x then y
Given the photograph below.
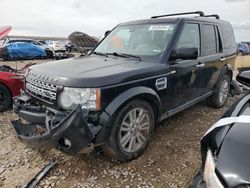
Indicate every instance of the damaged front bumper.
{"type": "Point", "coordinates": [68, 132]}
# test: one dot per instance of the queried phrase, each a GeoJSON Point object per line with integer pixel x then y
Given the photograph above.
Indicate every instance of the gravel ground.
{"type": "Point", "coordinates": [171, 159]}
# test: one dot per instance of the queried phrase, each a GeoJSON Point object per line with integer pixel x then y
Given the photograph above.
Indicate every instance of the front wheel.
{"type": "Point", "coordinates": [5, 98]}
{"type": "Point", "coordinates": [219, 98]}
{"type": "Point", "coordinates": [131, 131]}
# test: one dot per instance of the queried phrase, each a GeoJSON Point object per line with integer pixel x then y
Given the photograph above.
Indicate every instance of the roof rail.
{"type": "Point", "coordinates": [184, 13]}
{"type": "Point", "coordinates": [213, 15]}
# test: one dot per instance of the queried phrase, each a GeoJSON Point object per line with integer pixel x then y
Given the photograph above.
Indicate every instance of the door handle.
{"type": "Point", "coordinates": [222, 59]}
{"type": "Point", "coordinates": [171, 72]}
{"type": "Point", "coordinates": [200, 65]}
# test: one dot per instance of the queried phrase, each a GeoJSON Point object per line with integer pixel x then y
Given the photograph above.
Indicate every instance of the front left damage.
{"type": "Point", "coordinates": [70, 132]}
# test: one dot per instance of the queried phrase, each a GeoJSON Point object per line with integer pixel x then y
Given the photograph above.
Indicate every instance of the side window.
{"type": "Point", "coordinates": [218, 40]}
{"type": "Point", "coordinates": [190, 37]}
{"type": "Point", "coordinates": [210, 42]}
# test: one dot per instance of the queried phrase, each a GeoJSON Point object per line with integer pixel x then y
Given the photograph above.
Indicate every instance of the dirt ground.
{"type": "Point", "coordinates": [171, 159]}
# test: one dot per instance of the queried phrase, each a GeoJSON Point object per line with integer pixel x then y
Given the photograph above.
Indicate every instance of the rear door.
{"type": "Point", "coordinates": [210, 62]}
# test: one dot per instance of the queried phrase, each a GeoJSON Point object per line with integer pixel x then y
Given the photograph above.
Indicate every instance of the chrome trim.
{"type": "Point", "coordinates": [161, 83]}
{"type": "Point", "coordinates": [39, 91]}
{"type": "Point", "coordinates": [41, 84]}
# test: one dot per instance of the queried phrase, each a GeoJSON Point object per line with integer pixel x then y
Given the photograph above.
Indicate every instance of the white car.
{"type": "Point", "coordinates": [57, 45]}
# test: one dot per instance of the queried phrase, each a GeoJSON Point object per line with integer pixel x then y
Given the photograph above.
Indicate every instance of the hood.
{"type": "Point", "coordinates": [4, 31]}
{"type": "Point", "coordinates": [233, 160]}
{"type": "Point", "coordinates": [96, 71]}
{"type": "Point", "coordinates": [82, 41]}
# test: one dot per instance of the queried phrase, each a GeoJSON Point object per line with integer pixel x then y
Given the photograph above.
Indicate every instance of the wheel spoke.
{"type": "Point", "coordinates": [142, 137]}
{"type": "Point", "coordinates": [125, 126]}
{"type": "Point", "coordinates": [144, 126]}
{"type": "Point", "coordinates": [131, 117]}
{"type": "Point", "coordinates": [131, 144]}
{"type": "Point", "coordinates": [139, 116]}
{"type": "Point", "coordinates": [141, 119]}
{"type": "Point", "coordinates": [139, 140]}
{"type": "Point", "coordinates": [125, 139]}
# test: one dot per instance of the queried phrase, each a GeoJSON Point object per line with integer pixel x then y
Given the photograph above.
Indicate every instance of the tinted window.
{"type": "Point", "coordinates": [190, 37]}
{"type": "Point", "coordinates": [218, 41]}
{"type": "Point", "coordinates": [210, 44]}
{"type": "Point", "coordinates": [229, 40]}
{"type": "Point", "coordinates": [144, 40]}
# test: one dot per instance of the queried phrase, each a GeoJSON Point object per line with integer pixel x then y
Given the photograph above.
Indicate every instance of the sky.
{"type": "Point", "coordinates": [94, 17]}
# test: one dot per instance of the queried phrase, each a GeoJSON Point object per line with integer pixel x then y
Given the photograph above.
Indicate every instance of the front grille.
{"type": "Point", "coordinates": [40, 89]}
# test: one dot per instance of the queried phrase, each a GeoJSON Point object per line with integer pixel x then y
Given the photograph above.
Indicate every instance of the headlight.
{"type": "Point", "coordinates": [210, 176]}
{"type": "Point", "coordinates": [88, 98]}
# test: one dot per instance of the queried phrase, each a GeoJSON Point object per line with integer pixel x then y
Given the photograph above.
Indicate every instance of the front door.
{"type": "Point", "coordinates": [182, 83]}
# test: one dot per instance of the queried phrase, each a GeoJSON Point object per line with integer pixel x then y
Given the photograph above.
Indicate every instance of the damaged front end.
{"type": "Point", "coordinates": [69, 132]}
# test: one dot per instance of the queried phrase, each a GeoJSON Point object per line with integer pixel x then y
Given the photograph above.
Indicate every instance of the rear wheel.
{"type": "Point", "coordinates": [219, 98]}
{"type": "Point", "coordinates": [5, 98]}
{"type": "Point", "coordinates": [131, 131]}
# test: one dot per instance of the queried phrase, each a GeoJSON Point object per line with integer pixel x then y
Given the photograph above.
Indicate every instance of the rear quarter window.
{"type": "Point", "coordinates": [228, 37]}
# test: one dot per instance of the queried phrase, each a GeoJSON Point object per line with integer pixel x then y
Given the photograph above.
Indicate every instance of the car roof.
{"type": "Point", "coordinates": [174, 20]}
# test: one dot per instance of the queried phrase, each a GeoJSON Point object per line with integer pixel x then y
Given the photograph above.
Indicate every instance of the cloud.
{"type": "Point", "coordinates": [242, 25]}
{"type": "Point", "coordinates": [62, 17]}
{"type": "Point", "coordinates": [233, 1]}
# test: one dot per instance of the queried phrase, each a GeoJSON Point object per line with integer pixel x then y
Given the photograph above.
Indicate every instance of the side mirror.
{"type": "Point", "coordinates": [244, 78]}
{"type": "Point", "coordinates": [185, 53]}
{"type": "Point", "coordinates": [106, 33]}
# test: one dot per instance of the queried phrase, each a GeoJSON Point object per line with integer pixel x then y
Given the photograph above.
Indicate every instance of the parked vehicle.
{"type": "Point", "coordinates": [10, 85]}
{"type": "Point", "coordinates": [141, 73]}
{"type": "Point", "coordinates": [57, 46]}
{"type": "Point", "coordinates": [22, 50]}
{"type": "Point", "coordinates": [82, 42]}
{"type": "Point", "coordinates": [70, 47]}
{"type": "Point", "coordinates": [243, 49]}
{"type": "Point", "coordinates": [248, 44]}
{"type": "Point", "coordinates": [225, 147]}
{"type": "Point", "coordinates": [11, 80]}
{"type": "Point", "coordinates": [49, 50]}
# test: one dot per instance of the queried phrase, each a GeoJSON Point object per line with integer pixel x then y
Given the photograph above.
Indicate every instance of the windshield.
{"type": "Point", "coordinates": [147, 40]}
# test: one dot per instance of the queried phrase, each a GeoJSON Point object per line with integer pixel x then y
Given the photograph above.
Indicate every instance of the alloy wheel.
{"type": "Point", "coordinates": [134, 130]}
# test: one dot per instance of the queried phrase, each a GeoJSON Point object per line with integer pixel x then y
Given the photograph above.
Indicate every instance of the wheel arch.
{"type": "Point", "coordinates": [141, 92]}
{"type": "Point", "coordinates": [107, 117]}
{"type": "Point", "coordinates": [2, 83]}
{"type": "Point", "coordinates": [227, 69]}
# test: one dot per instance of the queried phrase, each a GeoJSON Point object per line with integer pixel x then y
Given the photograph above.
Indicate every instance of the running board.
{"type": "Point", "coordinates": [185, 106]}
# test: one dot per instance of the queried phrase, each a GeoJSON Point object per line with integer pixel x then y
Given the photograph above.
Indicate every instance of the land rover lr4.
{"type": "Point", "coordinates": [141, 73]}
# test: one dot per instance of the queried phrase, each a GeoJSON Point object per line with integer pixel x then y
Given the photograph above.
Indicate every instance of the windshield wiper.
{"type": "Point", "coordinates": [99, 53]}
{"type": "Point", "coordinates": [124, 55]}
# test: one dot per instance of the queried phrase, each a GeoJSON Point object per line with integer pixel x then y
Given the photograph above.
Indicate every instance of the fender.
{"type": "Point", "coordinates": [147, 93]}
{"type": "Point", "coordinates": [106, 118]}
{"type": "Point", "coordinates": [12, 84]}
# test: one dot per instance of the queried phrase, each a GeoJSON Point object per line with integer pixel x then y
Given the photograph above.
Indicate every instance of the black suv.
{"type": "Point", "coordinates": [141, 73]}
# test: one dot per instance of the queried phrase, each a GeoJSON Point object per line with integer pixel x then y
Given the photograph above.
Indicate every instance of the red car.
{"type": "Point", "coordinates": [10, 79]}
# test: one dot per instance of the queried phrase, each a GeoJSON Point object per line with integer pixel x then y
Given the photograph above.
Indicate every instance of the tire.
{"type": "Point", "coordinates": [198, 181]}
{"type": "Point", "coordinates": [5, 98]}
{"type": "Point", "coordinates": [128, 140]}
{"type": "Point", "coordinates": [219, 98]}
